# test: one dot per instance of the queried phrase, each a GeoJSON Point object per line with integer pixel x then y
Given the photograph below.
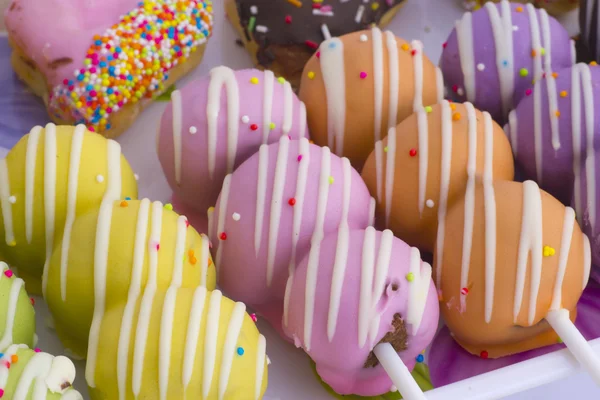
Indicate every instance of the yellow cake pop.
{"type": "Point", "coordinates": [52, 175]}
{"type": "Point", "coordinates": [185, 343]}
{"type": "Point", "coordinates": [113, 253]}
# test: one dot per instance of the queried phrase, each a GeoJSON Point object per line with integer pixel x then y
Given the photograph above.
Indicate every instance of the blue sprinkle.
{"type": "Point", "coordinates": [420, 358]}
{"type": "Point", "coordinates": [80, 77]}
{"type": "Point", "coordinates": [143, 35]}
{"type": "Point", "coordinates": [332, 45]}
{"type": "Point", "coordinates": [108, 126]}
{"type": "Point", "coordinates": [505, 63]}
{"type": "Point", "coordinates": [102, 64]}
{"type": "Point", "coordinates": [118, 50]}
{"type": "Point", "coordinates": [1, 355]}
{"type": "Point", "coordinates": [127, 198]}
{"type": "Point", "coordinates": [109, 57]}
{"type": "Point", "coordinates": [109, 90]}
{"type": "Point", "coordinates": [98, 42]}
{"type": "Point", "coordinates": [89, 87]}
{"type": "Point", "coordinates": [240, 351]}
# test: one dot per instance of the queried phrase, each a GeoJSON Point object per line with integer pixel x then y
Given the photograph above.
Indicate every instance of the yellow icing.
{"type": "Point", "coordinates": [241, 383]}
{"type": "Point", "coordinates": [29, 257]}
{"type": "Point", "coordinates": [73, 315]}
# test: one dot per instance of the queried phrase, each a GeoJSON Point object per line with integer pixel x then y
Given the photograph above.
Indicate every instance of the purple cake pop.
{"type": "Point", "coordinates": [269, 211]}
{"type": "Point", "coordinates": [494, 54]}
{"type": "Point", "coordinates": [352, 291]}
{"type": "Point", "coordinates": [553, 131]}
{"type": "Point", "coordinates": [215, 124]}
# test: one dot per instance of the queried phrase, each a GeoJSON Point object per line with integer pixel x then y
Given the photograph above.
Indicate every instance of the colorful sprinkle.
{"type": "Point", "coordinates": [295, 3]}
{"type": "Point", "coordinates": [254, 317]}
{"type": "Point", "coordinates": [557, 113]}
{"type": "Point", "coordinates": [272, 125]}
{"type": "Point", "coordinates": [37, 350]}
{"type": "Point", "coordinates": [236, 216]}
{"type": "Point", "coordinates": [8, 273]}
{"type": "Point", "coordinates": [523, 72]}
{"type": "Point", "coordinates": [593, 63]}
{"type": "Point", "coordinates": [12, 199]}
{"type": "Point", "coordinates": [410, 277]}
{"type": "Point", "coordinates": [254, 80]}
{"type": "Point", "coordinates": [405, 47]}
{"type": "Point", "coordinates": [428, 109]}
{"type": "Point", "coordinates": [288, 19]}
{"type": "Point", "coordinates": [240, 351]}
{"type": "Point", "coordinates": [311, 75]}
{"type": "Point", "coordinates": [363, 75]}
{"type": "Point", "coordinates": [124, 203]}
{"type": "Point", "coordinates": [253, 127]}
{"type": "Point", "coordinates": [528, 92]}
{"type": "Point", "coordinates": [484, 354]}
{"type": "Point", "coordinates": [331, 180]}
{"type": "Point", "coordinates": [429, 203]}
{"type": "Point", "coordinates": [519, 9]}
{"type": "Point", "coordinates": [480, 67]}
{"type": "Point", "coordinates": [420, 358]}
{"type": "Point", "coordinates": [193, 130]}
{"type": "Point", "coordinates": [223, 236]}
{"type": "Point", "coordinates": [32, 300]}
{"type": "Point", "coordinates": [464, 291]}
{"type": "Point", "coordinates": [292, 202]}
{"type": "Point", "coordinates": [456, 116]}
{"type": "Point", "coordinates": [281, 80]}
{"type": "Point", "coordinates": [12, 243]}
{"type": "Point", "coordinates": [245, 119]}
{"type": "Point", "coordinates": [169, 206]}
{"type": "Point", "coordinates": [555, 75]}
{"type": "Point", "coordinates": [412, 152]}
{"type": "Point", "coordinates": [549, 251]}
{"type": "Point", "coordinates": [563, 93]}
{"type": "Point", "coordinates": [14, 358]}
{"type": "Point", "coordinates": [99, 178]}
{"type": "Point", "coordinates": [363, 38]}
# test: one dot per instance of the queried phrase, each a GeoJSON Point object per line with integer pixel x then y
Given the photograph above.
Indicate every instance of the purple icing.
{"type": "Point", "coordinates": [484, 53]}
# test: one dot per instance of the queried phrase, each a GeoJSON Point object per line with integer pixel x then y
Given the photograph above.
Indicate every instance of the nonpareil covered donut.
{"type": "Point", "coordinates": [52, 175]}
{"type": "Point", "coordinates": [283, 35]}
{"type": "Point", "coordinates": [494, 55]}
{"type": "Point", "coordinates": [427, 162]}
{"type": "Point", "coordinates": [353, 290]}
{"type": "Point", "coordinates": [358, 86]}
{"type": "Point", "coordinates": [100, 62]}
{"type": "Point", "coordinates": [510, 254]}
{"type": "Point", "coordinates": [114, 252]}
{"type": "Point", "coordinates": [216, 123]}
{"type": "Point", "coordinates": [271, 208]}
{"type": "Point", "coordinates": [554, 132]}
{"type": "Point", "coordinates": [182, 343]}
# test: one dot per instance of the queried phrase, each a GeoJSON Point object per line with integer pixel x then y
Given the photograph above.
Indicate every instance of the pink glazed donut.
{"type": "Point", "coordinates": [353, 290]}
{"type": "Point", "coordinates": [271, 208]}
{"type": "Point", "coordinates": [217, 122]}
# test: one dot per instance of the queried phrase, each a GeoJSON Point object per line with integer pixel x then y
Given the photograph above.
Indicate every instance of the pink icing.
{"type": "Point", "coordinates": [196, 190]}
{"type": "Point", "coordinates": [51, 30]}
{"type": "Point", "coordinates": [339, 356]}
{"type": "Point", "coordinates": [242, 271]}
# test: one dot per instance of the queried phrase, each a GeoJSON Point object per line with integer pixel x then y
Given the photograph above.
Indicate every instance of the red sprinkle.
{"type": "Point", "coordinates": [288, 19]}
{"type": "Point", "coordinates": [8, 273]}
{"type": "Point", "coordinates": [363, 75]}
{"type": "Point", "coordinates": [1, 392]}
{"type": "Point", "coordinates": [484, 354]}
{"type": "Point", "coordinates": [7, 364]}
{"type": "Point", "coordinates": [412, 152]}
{"type": "Point", "coordinates": [32, 301]}
{"type": "Point", "coordinates": [300, 158]}
{"type": "Point", "coordinates": [311, 44]}
{"type": "Point", "coordinates": [455, 88]}
{"type": "Point", "coordinates": [413, 52]}
{"type": "Point", "coordinates": [445, 45]}
{"type": "Point", "coordinates": [464, 291]}
{"type": "Point", "coordinates": [254, 317]}
{"type": "Point", "coordinates": [292, 202]}
{"type": "Point", "coordinates": [157, 246]}
{"type": "Point", "coordinates": [187, 224]}
{"type": "Point", "coordinates": [316, 5]}
{"type": "Point", "coordinates": [318, 54]}
{"type": "Point", "coordinates": [254, 127]}
{"type": "Point", "coordinates": [223, 236]}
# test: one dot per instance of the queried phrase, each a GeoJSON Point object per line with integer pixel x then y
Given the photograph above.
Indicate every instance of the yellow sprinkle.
{"type": "Point", "coordinates": [311, 75]}
{"type": "Point", "coordinates": [456, 116]}
{"type": "Point", "coordinates": [410, 277]}
{"type": "Point", "coordinates": [549, 251]}
{"type": "Point", "coordinates": [385, 149]}
{"type": "Point", "coordinates": [374, 6]}
{"type": "Point", "coordinates": [405, 47]}
{"type": "Point", "coordinates": [295, 3]}
{"type": "Point", "coordinates": [428, 109]}
{"type": "Point", "coordinates": [563, 93]}
{"type": "Point", "coordinates": [557, 113]}
{"type": "Point", "coordinates": [331, 180]}
{"type": "Point", "coordinates": [169, 206]}
{"type": "Point", "coordinates": [452, 106]}
{"type": "Point", "coordinates": [281, 80]}
{"type": "Point", "coordinates": [272, 125]}
{"type": "Point", "coordinates": [211, 209]}
{"type": "Point", "coordinates": [593, 63]}
{"type": "Point", "coordinates": [254, 80]}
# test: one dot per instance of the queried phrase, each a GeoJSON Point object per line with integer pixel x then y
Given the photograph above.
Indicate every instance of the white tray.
{"type": "Point", "coordinates": [290, 376]}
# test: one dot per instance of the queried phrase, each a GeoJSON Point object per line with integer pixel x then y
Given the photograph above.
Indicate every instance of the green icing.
{"type": "Point", "coordinates": [24, 321]}
{"type": "Point", "coordinates": [420, 373]}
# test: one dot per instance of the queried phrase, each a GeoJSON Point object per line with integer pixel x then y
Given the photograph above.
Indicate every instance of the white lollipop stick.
{"type": "Point", "coordinates": [399, 374]}
{"type": "Point", "coordinates": [576, 343]}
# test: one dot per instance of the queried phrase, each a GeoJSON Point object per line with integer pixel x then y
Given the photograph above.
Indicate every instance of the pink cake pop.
{"type": "Point", "coordinates": [269, 211]}
{"type": "Point", "coordinates": [215, 124]}
{"type": "Point", "coordinates": [353, 290]}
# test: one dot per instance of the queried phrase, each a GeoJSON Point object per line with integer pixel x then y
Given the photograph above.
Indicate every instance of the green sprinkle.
{"type": "Point", "coordinates": [385, 149]}
{"type": "Point", "coordinates": [251, 24]}
{"type": "Point", "coordinates": [272, 125]}
{"type": "Point", "coordinates": [428, 109]}
{"type": "Point", "coordinates": [543, 51]}
{"type": "Point", "coordinates": [281, 80]}
{"type": "Point", "coordinates": [523, 72]}
{"type": "Point", "coordinates": [169, 206]}
{"type": "Point", "coordinates": [331, 180]}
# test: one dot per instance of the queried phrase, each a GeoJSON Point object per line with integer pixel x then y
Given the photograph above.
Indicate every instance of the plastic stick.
{"type": "Point", "coordinates": [575, 342]}
{"type": "Point", "coordinates": [399, 374]}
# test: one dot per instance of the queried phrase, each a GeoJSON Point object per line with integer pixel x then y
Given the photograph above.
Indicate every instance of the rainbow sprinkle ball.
{"type": "Point", "coordinates": [131, 61]}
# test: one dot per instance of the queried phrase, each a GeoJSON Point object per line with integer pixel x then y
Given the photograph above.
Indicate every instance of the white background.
{"type": "Point", "coordinates": [290, 377]}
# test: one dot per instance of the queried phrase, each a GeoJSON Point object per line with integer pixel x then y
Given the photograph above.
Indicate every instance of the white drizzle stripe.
{"type": "Point", "coordinates": [176, 109]}
{"type": "Point", "coordinates": [444, 187]}
{"type": "Point", "coordinates": [165, 339]}
{"type": "Point", "coordinates": [563, 257]}
{"type": "Point", "coordinates": [587, 261]}
{"type": "Point", "coordinates": [372, 207]}
{"type": "Point", "coordinates": [590, 163]}
{"type": "Point", "coordinates": [220, 76]}
{"type": "Point", "coordinates": [269, 83]}
{"type": "Point", "coordinates": [537, 131]}
{"type": "Point", "coordinates": [229, 346]}
{"type": "Point", "coordinates": [466, 49]}
{"type": "Point", "coordinates": [530, 242]}
{"type": "Point", "coordinates": [288, 108]}
{"type": "Point", "coordinates": [30, 166]}
{"type": "Point", "coordinates": [145, 312]}
{"type": "Point", "coordinates": [536, 43]}
{"type": "Point", "coordinates": [277, 202]}
{"type": "Point", "coordinates": [394, 83]}
{"type": "Point", "coordinates": [576, 135]}
{"type": "Point", "coordinates": [537, 74]}
{"type": "Point", "coordinates": [224, 199]}
{"type": "Point", "coordinates": [440, 85]}
{"type": "Point", "coordinates": [37, 367]}
{"type": "Point", "coordinates": [366, 285]}
{"type": "Point", "coordinates": [390, 169]}
{"type": "Point", "coordinates": [11, 313]}
{"type": "Point", "coordinates": [204, 257]}
{"type": "Point", "coordinates": [550, 82]}
{"type": "Point", "coordinates": [192, 335]}
{"type": "Point", "coordinates": [261, 193]}
{"type": "Point", "coordinates": [423, 137]}
{"type": "Point", "coordinates": [489, 205]}
{"type": "Point", "coordinates": [261, 351]}
{"type": "Point", "coordinates": [211, 337]}
{"type": "Point", "coordinates": [101, 248]}
{"type": "Point", "coordinates": [72, 181]}
{"type": "Point", "coordinates": [512, 126]}
{"type": "Point", "coordinates": [334, 77]}
{"type": "Point", "coordinates": [419, 76]}
{"type": "Point", "coordinates": [302, 130]}
{"type": "Point", "coordinates": [139, 253]}
{"type": "Point", "coordinates": [179, 251]}
{"type": "Point", "coordinates": [5, 203]}
{"type": "Point", "coordinates": [377, 80]}
{"type": "Point", "coordinates": [469, 218]}
{"type": "Point", "coordinates": [304, 152]}
{"type": "Point", "coordinates": [4, 372]}
{"type": "Point", "coordinates": [49, 187]}
{"type": "Point", "coordinates": [379, 169]}
{"type": "Point", "coordinates": [341, 254]}
{"type": "Point", "coordinates": [502, 28]}
{"type": "Point", "coordinates": [382, 266]}
{"type": "Point", "coordinates": [315, 249]}
{"type": "Point", "coordinates": [418, 290]}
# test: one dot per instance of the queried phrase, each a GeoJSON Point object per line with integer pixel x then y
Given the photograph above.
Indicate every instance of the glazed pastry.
{"type": "Point", "coordinates": [113, 253]}
{"type": "Point", "coordinates": [353, 290]}
{"type": "Point", "coordinates": [588, 22]}
{"type": "Point", "coordinates": [52, 175]}
{"type": "Point", "coordinates": [183, 344]}
{"type": "Point", "coordinates": [554, 7]}
{"type": "Point", "coordinates": [510, 253]}
{"type": "Point", "coordinates": [32, 374]}
{"type": "Point", "coordinates": [100, 63]}
{"type": "Point", "coordinates": [429, 161]}
{"type": "Point", "coordinates": [362, 84]}
{"type": "Point", "coordinates": [283, 35]}
{"type": "Point", "coordinates": [494, 55]}
{"type": "Point", "coordinates": [271, 208]}
{"type": "Point", "coordinates": [17, 317]}
{"type": "Point", "coordinates": [216, 123]}
{"type": "Point", "coordinates": [554, 146]}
